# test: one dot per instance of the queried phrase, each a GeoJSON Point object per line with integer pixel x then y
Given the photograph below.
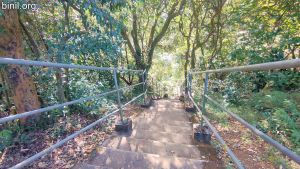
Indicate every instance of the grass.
{"type": "Point", "coordinates": [273, 112]}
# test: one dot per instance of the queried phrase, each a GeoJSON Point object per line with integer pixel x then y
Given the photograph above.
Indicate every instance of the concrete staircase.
{"type": "Point", "coordinates": [161, 138]}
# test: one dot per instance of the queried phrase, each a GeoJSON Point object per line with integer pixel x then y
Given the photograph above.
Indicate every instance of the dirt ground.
{"type": "Point", "coordinates": [68, 155]}
{"type": "Point", "coordinates": [249, 148]}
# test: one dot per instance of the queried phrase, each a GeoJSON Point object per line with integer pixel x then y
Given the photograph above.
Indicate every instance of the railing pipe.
{"type": "Point", "coordinates": [59, 65]}
{"type": "Point", "coordinates": [265, 137]}
{"type": "Point", "coordinates": [49, 108]}
{"type": "Point", "coordinates": [218, 137]}
{"type": "Point", "coordinates": [286, 64]}
{"type": "Point", "coordinates": [69, 66]}
{"type": "Point", "coordinates": [60, 143]}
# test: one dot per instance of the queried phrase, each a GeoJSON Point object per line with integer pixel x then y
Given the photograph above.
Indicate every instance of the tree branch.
{"type": "Point", "coordinates": [83, 16]}
{"type": "Point", "coordinates": [32, 42]}
{"type": "Point", "coordinates": [134, 33]}
{"type": "Point", "coordinates": [171, 15]}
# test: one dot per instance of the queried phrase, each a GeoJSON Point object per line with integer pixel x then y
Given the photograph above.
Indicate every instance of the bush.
{"type": "Point", "coordinates": [240, 85]}
{"type": "Point", "coordinates": [6, 139]}
{"type": "Point", "coordinates": [281, 115]}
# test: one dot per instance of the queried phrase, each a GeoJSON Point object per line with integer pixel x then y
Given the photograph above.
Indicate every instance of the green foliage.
{"type": "Point", "coordinates": [25, 138]}
{"type": "Point", "coordinates": [6, 138]}
{"type": "Point", "coordinates": [58, 131]}
{"type": "Point", "coordinates": [238, 32]}
{"type": "Point", "coordinates": [166, 74]}
{"type": "Point", "coordinates": [46, 86]}
{"type": "Point", "coordinates": [276, 113]}
{"type": "Point", "coordinates": [273, 155]}
{"type": "Point", "coordinates": [283, 116]}
{"type": "Point", "coordinates": [265, 30]}
{"type": "Point", "coordinates": [240, 85]}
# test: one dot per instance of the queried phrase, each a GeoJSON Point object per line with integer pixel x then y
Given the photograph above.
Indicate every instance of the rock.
{"type": "Point", "coordinates": [42, 165]}
{"type": "Point", "coordinates": [108, 161]}
{"type": "Point", "coordinates": [236, 145]}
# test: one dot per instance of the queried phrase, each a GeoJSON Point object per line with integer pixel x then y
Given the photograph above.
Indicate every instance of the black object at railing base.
{"type": "Point", "coordinates": [202, 137]}
{"type": "Point", "coordinates": [202, 134]}
{"type": "Point", "coordinates": [148, 103]}
{"type": "Point", "coordinates": [125, 126]}
{"type": "Point", "coordinates": [181, 98]}
{"type": "Point", "coordinates": [190, 109]}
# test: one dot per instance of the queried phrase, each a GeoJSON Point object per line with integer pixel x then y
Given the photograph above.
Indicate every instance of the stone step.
{"type": "Point", "coordinates": [154, 147]}
{"type": "Point", "coordinates": [164, 137]}
{"type": "Point", "coordinates": [161, 139]}
{"type": "Point", "coordinates": [107, 158]}
{"type": "Point", "coordinates": [163, 127]}
{"type": "Point", "coordinates": [167, 121]}
{"type": "Point", "coordinates": [85, 165]}
{"type": "Point", "coordinates": [167, 117]}
{"type": "Point", "coordinates": [165, 109]}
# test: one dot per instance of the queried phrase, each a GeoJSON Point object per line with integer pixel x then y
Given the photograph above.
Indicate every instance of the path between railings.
{"type": "Point", "coordinates": [162, 137]}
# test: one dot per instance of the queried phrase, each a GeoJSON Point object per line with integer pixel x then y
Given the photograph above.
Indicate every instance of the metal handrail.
{"type": "Point", "coordinates": [49, 108]}
{"type": "Point", "coordinates": [265, 137]}
{"type": "Point", "coordinates": [218, 137]}
{"type": "Point", "coordinates": [60, 65]}
{"type": "Point", "coordinates": [293, 63]}
{"type": "Point", "coordinates": [62, 142]}
{"type": "Point", "coordinates": [256, 67]}
{"type": "Point", "coordinates": [71, 66]}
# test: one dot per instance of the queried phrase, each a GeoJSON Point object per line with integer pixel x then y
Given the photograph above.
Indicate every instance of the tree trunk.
{"type": "Point", "coordinates": [186, 72]}
{"type": "Point", "coordinates": [143, 60]}
{"type": "Point", "coordinates": [32, 42]}
{"type": "Point", "coordinates": [67, 86]}
{"type": "Point", "coordinates": [60, 87]}
{"type": "Point", "coordinates": [6, 93]}
{"type": "Point", "coordinates": [193, 57]}
{"type": "Point", "coordinates": [23, 89]}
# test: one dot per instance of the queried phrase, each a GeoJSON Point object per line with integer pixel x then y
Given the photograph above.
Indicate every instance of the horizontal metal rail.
{"type": "Point", "coordinates": [265, 137]}
{"type": "Point", "coordinates": [60, 65]}
{"type": "Point", "coordinates": [30, 113]}
{"type": "Point", "coordinates": [218, 137]}
{"type": "Point", "coordinates": [286, 64]}
{"type": "Point", "coordinates": [62, 142]}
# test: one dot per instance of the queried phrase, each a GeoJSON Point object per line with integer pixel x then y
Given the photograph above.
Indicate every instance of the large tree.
{"type": "Point", "coordinates": [146, 26]}
{"type": "Point", "coordinates": [200, 27]}
{"type": "Point", "coordinates": [21, 84]}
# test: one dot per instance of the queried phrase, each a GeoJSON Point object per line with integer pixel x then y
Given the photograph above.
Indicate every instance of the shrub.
{"type": "Point", "coordinates": [6, 139]}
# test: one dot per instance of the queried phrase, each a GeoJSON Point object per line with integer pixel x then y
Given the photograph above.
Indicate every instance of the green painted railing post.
{"type": "Point", "coordinates": [203, 97]}
{"type": "Point", "coordinates": [118, 94]}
